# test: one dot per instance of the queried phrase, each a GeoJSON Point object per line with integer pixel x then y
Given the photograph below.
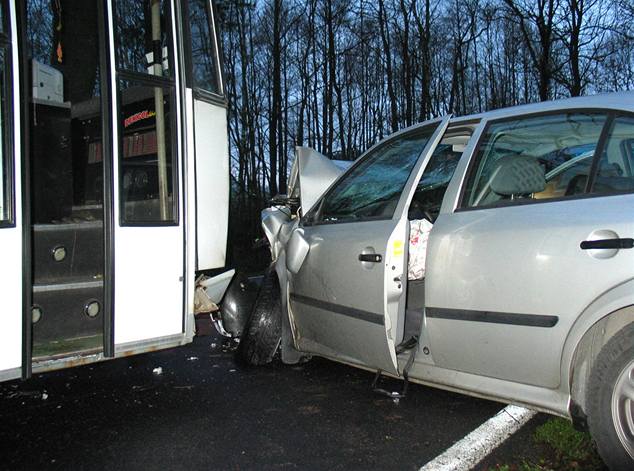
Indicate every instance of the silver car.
{"type": "Point", "coordinates": [528, 288]}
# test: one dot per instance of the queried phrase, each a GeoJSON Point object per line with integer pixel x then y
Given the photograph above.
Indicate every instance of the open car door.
{"type": "Point", "coordinates": [346, 298]}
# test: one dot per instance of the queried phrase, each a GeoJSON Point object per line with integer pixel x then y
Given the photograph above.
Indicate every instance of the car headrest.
{"type": "Point", "coordinates": [518, 175]}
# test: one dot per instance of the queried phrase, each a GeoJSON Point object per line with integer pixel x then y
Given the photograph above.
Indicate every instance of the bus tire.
{"type": "Point", "coordinates": [609, 403]}
{"type": "Point", "coordinates": [263, 333]}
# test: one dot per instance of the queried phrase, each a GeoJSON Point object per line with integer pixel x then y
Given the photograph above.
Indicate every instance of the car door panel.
{"type": "Point", "coordinates": [339, 319]}
{"type": "Point", "coordinates": [346, 306]}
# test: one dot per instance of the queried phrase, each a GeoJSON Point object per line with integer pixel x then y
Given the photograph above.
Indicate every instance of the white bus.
{"type": "Point", "coordinates": [114, 177]}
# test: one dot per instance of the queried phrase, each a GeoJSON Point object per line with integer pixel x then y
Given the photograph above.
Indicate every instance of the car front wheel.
{"type": "Point", "coordinates": [263, 332]}
{"type": "Point", "coordinates": [611, 401]}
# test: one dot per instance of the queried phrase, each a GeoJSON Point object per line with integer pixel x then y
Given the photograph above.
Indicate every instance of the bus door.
{"type": "Point", "coordinates": [104, 147]}
{"type": "Point", "coordinates": [10, 201]}
{"type": "Point", "coordinates": [207, 107]}
{"type": "Point", "coordinates": [63, 62]}
{"type": "Point", "coordinates": [149, 249]}
{"type": "Point", "coordinates": [104, 246]}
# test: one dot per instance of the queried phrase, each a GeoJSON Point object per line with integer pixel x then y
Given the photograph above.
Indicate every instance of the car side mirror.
{"type": "Point", "coordinates": [296, 251]}
{"type": "Point", "coordinates": [518, 175]}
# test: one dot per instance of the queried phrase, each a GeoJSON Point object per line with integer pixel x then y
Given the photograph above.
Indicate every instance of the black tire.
{"type": "Point", "coordinates": [263, 332]}
{"type": "Point", "coordinates": [615, 357]}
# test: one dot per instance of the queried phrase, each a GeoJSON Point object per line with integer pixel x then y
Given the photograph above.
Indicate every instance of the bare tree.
{"type": "Point", "coordinates": [537, 23]}
{"type": "Point", "coordinates": [339, 75]}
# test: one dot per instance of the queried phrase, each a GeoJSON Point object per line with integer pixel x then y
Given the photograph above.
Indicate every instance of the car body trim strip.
{"type": "Point", "coordinates": [529, 320]}
{"type": "Point", "coordinates": [367, 316]}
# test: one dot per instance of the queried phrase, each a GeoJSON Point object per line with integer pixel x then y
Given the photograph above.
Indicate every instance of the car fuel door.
{"type": "Point", "coordinates": [346, 297]}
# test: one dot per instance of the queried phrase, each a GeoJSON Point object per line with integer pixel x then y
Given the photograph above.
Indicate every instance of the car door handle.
{"type": "Point", "coordinates": [607, 244]}
{"type": "Point", "coordinates": [370, 257]}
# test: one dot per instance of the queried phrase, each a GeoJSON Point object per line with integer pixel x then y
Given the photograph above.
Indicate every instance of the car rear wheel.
{"type": "Point", "coordinates": [263, 331]}
{"type": "Point", "coordinates": [611, 401]}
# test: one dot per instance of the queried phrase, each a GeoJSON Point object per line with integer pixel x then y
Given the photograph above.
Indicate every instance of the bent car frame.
{"type": "Point", "coordinates": [528, 291]}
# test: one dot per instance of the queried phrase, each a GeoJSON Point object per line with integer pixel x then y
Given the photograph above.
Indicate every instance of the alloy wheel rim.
{"type": "Point", "coordinates": [623, 408]}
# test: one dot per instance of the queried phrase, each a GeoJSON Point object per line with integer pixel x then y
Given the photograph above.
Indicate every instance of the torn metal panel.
{"type": "Point", "coordinates": [273, 219]}
{"type": "Point", "coordinates": [216, 286]}
{"type": "Point", "coordinates": [210, 291]}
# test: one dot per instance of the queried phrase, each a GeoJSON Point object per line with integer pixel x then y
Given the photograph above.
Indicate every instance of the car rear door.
{"type": "Point", "coordinates": [511, 262]}
{"type": "Point", "coordinates": [346, 298]}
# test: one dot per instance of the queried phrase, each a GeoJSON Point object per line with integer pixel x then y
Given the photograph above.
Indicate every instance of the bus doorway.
{"type": "Point", "coordinates": [114, 178]}
{"type": "Point", "coordinates": [67, 175]}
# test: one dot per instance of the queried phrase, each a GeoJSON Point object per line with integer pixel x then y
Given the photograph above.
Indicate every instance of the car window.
{"type": "Point", "coordinates": [535, 157]}
{"type": "Point", "coordinates": [614, 168]}
{"type": "Point", "coordinates": [372, 188]}
{"type": "Point", "coordinates": [433, 184]}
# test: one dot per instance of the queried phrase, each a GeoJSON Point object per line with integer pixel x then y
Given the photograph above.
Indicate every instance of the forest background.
{"type": "Point", "coordinates": [339, 75]}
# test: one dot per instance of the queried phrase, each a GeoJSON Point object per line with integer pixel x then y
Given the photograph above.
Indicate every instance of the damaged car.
{"type": "Point", "coordinates": [489, 255]}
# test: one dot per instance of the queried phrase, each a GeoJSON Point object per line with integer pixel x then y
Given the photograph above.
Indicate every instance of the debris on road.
{"type": "Point", "coordinates": [158, 371]}
{"type": "Point", "coordinates": [230, 345]}
{"type": "Point", "coordinates": [34, 394]}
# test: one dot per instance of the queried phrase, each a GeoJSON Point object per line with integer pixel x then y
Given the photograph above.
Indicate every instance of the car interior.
{"type": "Point", "coordinates": [425, 204]}
{"type": "Point", "coordinates": [564, 146]}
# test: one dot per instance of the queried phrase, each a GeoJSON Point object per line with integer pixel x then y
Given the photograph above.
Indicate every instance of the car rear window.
{"type": "Point", "coordinates": [533, 158]}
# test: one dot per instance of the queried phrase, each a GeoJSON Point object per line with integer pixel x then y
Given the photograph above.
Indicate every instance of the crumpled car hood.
{"type": "Point", "coordinates": [311, 175]}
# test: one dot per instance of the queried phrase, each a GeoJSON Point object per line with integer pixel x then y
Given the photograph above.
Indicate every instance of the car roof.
{"type": "Point", "coordinates": [618, 101]}
{"type": "Point", "coordinates": [615, 100]}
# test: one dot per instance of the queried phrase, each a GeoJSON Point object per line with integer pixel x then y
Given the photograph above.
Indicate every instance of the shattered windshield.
{"type": "Point", "coordinates": [371, 189]}
{"type": "Point", "coordinates": [440, 168]}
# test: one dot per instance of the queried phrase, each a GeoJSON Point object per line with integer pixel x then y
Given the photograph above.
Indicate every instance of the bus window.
{"type": "Point", "coordinates": [143, 39]}
{"type": "Point", "coordinates": [147, 122]}
{"type": "Point", "coordinates": [204, 59]}
{"type": "Point", "coordinates": [147, 158]}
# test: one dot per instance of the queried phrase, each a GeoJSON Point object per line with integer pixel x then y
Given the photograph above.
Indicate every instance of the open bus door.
{"type": "Point", "coordinates": [148, 212]}
{"type": "Point", "coordinates": [10, 201]}
{"type": "Point", "coordinates": [122, 101]}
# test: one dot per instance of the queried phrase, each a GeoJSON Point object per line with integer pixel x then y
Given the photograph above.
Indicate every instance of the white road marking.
{"type": "Point", "coordinates": [473, 448]}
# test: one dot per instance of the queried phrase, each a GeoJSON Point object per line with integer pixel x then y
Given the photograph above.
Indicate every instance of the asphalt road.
{"type": "Point", "coordinates": [206, 412]}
